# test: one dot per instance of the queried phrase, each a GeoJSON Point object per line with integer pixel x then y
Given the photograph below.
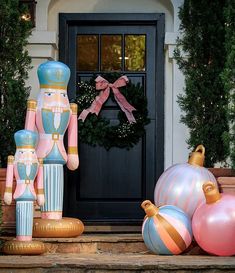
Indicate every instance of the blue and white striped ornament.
{"type": "Point", "coordinates": [166, 230]}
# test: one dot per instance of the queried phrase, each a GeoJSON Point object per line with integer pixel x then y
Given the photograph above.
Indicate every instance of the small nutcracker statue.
{"type": "Point", "coordinates": [25, 167]}
{"type": "Point", "coordinates": [52, 115]}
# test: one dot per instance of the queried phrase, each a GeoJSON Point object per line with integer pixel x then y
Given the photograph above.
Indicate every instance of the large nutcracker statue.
{"type": "Point", "coordinates": [26, 168]}
{"type": "Point", "coordinates": [52, 115]}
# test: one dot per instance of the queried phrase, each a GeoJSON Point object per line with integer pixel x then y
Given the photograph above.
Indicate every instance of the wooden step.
{"type": "Point", "coordinates": [118, 263]}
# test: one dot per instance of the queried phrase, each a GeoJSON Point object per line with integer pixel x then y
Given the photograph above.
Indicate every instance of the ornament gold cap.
{"type": "Point", "coordinates": [149, 208]}
{"type": "Point", "coordinates": [211, 192]}
{"type": "Point", "coordinates": [198, 156]}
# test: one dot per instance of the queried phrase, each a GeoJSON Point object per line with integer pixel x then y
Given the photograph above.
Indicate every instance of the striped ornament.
{"type": "Point", "coordinates": [166, 230]}
{"type": "Point", "coordinates": [181, 184]}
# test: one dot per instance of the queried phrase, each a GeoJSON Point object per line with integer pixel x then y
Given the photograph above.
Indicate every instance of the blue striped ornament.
{"type": "Point", "coordinates": [181, 184]}
{"type": "Point", "coordinates": [166, 230]}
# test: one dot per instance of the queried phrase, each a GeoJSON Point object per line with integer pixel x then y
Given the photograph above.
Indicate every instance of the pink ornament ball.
{"type": "Point", "coordinates": [213, 223]}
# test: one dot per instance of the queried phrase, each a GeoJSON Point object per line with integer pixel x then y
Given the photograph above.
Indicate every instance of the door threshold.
{"type": "Point", "coordinates": [112, 228]}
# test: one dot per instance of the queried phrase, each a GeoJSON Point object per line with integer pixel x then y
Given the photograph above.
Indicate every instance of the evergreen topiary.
{"type": "Point", "coordinates": [14, 64]}
{"type": "Point", "coordinates": [205, 100]}
{"type": "Point", "coordinates": [228, 74]}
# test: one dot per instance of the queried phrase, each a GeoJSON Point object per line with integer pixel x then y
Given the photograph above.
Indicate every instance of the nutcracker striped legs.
{"type": "Point", "coordinates": [54, 190]}
{"type": "Point", "coordinates": [24, 220]}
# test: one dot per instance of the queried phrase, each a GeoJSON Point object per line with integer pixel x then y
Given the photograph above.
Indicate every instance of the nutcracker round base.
{"type": "Point", "coordinates": [57, 228]}
{"type": "Point", "coordinates": [23, 248]}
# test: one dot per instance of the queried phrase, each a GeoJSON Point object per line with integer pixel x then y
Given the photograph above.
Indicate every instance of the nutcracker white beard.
{"type": "Point", "coordinates": [56, 106]}
{"type": "Point", "coordinates": [26, 157]}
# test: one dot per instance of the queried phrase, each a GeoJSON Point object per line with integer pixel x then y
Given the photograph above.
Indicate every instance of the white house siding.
{"type": "Point", "coordinates": [43, 45]}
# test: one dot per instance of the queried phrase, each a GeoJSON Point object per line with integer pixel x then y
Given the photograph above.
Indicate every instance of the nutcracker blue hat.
{"type": "Point", "coordinates": [52, 74]}
{"type": "Point", "coordinates": [25, 139]}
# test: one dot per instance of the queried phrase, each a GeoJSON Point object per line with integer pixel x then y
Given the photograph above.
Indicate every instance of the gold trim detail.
{"type": "Point", "coordinates": [31, 109]}
{"type": "Point", "coordinates": [10, 159]}
{"type": "Point", "coordinates": [61, 228]}
{"type": "Point", "coordinates": [27, 181]}
{"type": "Point", "coordinates": [25, 147]}
{"type": "Point", "coordinates": [49, 110]}
{"type": "Point", "coordinates": [40, 191]}
{"type": "Point", "coordinates": [15, 247]}
{"type": "Point", "coordinates": [40, 160]}
{"type": "Point", "coordinates": [172, 232]}
{"type": "Point", "coordinates": [74, 108]}
{"type": "Point", "coordinates": [8, 189]}
{"type": "Point", "coordinates": [31, 105]}
{"type": "Point", "coordinates": [55, 136]}
{"type": "Point", "coordinates": [46, 86]}
{"type": "Point", "coordinates": [73, 150]}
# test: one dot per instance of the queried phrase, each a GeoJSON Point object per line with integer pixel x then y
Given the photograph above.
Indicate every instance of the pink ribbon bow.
{"type": "Point", "coordinates": [104, 86]}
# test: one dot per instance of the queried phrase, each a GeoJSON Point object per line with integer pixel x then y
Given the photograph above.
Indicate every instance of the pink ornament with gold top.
{"type": "Point", "coordinates": [214, 222]}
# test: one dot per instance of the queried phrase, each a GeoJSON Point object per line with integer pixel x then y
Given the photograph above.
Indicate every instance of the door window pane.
{"type": "Point", "coordinates": [111, 52]}
{"type": "Point", "coordinates": [87, 52]}
{"type": "Point", "coordinates": [135, 52]}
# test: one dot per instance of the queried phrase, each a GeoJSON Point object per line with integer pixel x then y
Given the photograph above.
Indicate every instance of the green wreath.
{"type": "Point", "coordinates": [96, 130]}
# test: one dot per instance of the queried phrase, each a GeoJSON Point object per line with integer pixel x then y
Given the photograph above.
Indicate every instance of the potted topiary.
{"type": "Point", "coordinates": [14, 64]}
{"type": "Point", "coordinates": [207, 94]}
{"type": "Point", "coordinates": [227, 179]}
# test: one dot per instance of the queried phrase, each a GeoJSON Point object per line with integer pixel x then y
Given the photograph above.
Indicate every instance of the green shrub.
{"type": "Point", "coordinates": [205, 100]}
{"type": "Point", "coordinates": [228, 75]}
{"type": "Point", "coordinates": [14, 64]}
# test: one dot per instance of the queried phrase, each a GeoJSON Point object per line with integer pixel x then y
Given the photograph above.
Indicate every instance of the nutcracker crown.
{"type": "Point", "coordinates": [211, 192]}
{"type": "Point", "coordinates": [54, 75]}
{"type": "Point", "coordinates": [198, 156]}
{"type": "Point", "coordinates": [25, 139]}
{"type": "Point", "coordinates": [149, 208]}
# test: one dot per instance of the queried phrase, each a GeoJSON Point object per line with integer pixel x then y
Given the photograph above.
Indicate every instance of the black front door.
{"type": "Point", "coordinates": [110, 185]}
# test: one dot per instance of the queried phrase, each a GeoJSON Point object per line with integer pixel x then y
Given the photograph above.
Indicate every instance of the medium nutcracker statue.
{"type": "Point", "coordinates": [26, 168]}
{"type": "Point", "coordinates": [52, 115]}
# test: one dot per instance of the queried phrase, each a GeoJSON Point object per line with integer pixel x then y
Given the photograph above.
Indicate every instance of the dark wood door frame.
{"type": "Point", "coordinates": [155, 19]}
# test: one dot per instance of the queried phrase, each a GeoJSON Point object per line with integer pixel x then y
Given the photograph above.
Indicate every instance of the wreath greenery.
{"type": "Point", "coordinates": [97, 130]}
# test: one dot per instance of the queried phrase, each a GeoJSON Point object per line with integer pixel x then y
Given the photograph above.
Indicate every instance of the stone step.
{"type": "Point", "coordinates": [118, 263]}
{"type": "Point", "coordinates": [101, 243]}
{"type": "Point", "coordinates": [94, 243]}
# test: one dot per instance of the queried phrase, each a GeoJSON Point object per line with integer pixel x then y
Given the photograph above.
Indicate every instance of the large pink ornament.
{"type": "Point", "coordinates": [214, 222]}
{"type": "Point", "coordinates": [181, 184]}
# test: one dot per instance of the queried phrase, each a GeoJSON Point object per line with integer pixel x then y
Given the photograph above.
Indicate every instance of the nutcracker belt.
{"type": "Point", "coordinates": [54, 136]}
{"type": "Point", "coordinates": [25, 181]}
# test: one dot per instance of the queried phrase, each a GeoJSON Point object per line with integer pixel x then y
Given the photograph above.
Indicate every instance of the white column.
{"type": "Point", "coordinates": [176, 133]}
{"type": "Point", "coordinates": [42, 45]}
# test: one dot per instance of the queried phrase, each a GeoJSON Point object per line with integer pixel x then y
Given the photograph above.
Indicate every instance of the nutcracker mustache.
{"type": "Point", "coordinates": [42, 103]}
{"type": "Point", "coordinates": [57, 104]}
